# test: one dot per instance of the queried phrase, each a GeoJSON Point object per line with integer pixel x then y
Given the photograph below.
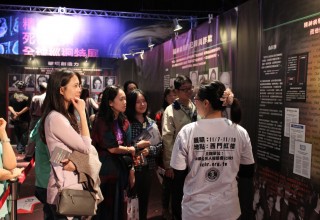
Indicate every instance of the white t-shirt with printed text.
{"type": "Point", "coordinates": [213, 150]}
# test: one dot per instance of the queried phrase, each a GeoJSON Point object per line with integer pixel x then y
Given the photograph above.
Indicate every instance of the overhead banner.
{"type": "Point", "coordinates": [76, 35]}
{"type": "Point", "coordinates": [206, 52]}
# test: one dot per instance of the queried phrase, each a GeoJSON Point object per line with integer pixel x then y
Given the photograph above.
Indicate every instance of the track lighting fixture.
{"type": "Point", "coordinates": [177, 27]}
{"type": "Point", "coordinates": [124, 56]}
{"type": "Point", "coordinates": [150, 44]}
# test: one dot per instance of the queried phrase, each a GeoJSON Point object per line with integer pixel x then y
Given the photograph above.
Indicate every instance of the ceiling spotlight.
{"type": "Point", "coordinates": [124, 57]}
{"type": "Point", "coordinates": [150, 44]}
{"type": "Point", "coordinates": [210, 16]}
{"type": "Point", "coordinates": [32, 57]}
{"type": "Point", "coordinates": [141, 54]}
{"type": "Point", "coordinates": [177, 27]}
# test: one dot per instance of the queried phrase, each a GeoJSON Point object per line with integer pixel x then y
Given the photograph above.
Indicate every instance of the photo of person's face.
{"type": "Point", "coordinates": [41, 79]}
{"type": "Point", "coordinates": [109, 81]}
{"type": "Point", "coordinates": [202, 79]}
{"type": "Point", "coordinates": [85, 82]}
{"type": "Point", "coordinates": [97, 83]}
{"type": "Point", "coordinates": [194, 77]}
{"type": "Point", "coordinates": [213, 74]}
{"type": "Point", "coordinates": [225, 78]}
{"type": "Point", "coordinates": [29, 79]}
{"type": "Point", "coordinates": [12, 80]}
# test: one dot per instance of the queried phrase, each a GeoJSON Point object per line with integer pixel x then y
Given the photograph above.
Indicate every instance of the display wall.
{"type": "Point", "coordinates": [272, 58]}
{"type": "Point", "coordinates": [274, 68]}
{"type": "Point", "coordinates": [288, 132]}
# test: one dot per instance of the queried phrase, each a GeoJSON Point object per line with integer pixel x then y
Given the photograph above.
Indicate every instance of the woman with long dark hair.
{"type": "Point", "coordinates": [137, 109]}
{"type": "Point", "coordinates": [59, 128]}
{"type": "Point", "coordinates": [111, 135]}
{"type": "Point", "coordinates": [215, 150]}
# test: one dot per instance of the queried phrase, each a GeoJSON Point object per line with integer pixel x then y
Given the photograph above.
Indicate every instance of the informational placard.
{"type": "Point", "coordinates": [302, 159]}
{"type": "Point", "coordinates": [291, 116]}
{"type": "Point", "coordinates": [297, 133]}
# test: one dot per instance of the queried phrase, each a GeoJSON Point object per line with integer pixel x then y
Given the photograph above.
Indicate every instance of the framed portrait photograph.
{"type": "Point", "coordinates": [30, 80]}
{"type": "Point", "coordinates": [97, 83]}
{"type": "Point", "coordinates": [41, 78]}
{"type": "Point", "coordinates": [13, 78]}
{"type": "Point", "coordinates": [213, 74]}
{"type": "Point", "coordinates": [85, 81]}
{"type": "Point", "coordinates": [194, 77]}
{"type": "Point", "coordinates": [109, 81]}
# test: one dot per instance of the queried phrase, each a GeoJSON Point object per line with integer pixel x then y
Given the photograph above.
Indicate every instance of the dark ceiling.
{"type": "Point", "coordinates": [198, 8]}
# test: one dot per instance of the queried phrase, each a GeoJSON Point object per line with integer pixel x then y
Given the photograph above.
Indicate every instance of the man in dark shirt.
{"type": "Point", "coordinates": [35, 114]}
{"type": "Point", "coordinates": [19, 104]}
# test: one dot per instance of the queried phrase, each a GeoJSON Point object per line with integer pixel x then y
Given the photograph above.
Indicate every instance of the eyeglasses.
{"type": "Point", "coordinates": [186, 89]}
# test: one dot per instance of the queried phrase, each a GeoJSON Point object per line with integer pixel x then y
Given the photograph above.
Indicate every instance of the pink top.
{"type": "Point", "coordinates": [60, 133]}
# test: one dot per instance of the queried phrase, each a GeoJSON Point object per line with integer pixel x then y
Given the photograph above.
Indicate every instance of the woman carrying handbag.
{"type": "Point", "coordinates": [59, 129]}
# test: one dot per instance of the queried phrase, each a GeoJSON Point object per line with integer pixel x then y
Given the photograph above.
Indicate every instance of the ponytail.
{"type": "Point", "coordinates": [236, 113]}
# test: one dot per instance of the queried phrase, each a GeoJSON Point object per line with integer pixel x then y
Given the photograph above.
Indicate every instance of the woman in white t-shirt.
{"type": "Point", "coordinates": [214, 149]}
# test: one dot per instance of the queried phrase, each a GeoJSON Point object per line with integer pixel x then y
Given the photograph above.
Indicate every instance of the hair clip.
{"type": "Point", "coordinates": [227, 97]}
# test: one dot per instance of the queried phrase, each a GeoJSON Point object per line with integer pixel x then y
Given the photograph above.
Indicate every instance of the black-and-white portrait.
{"type": "Point", "coordinates": [29, 79]}
{"type": "Point", "coordinates": [40, 79]}
{"type": "Point", "coordinates": [13, 78]}
{"type": "Point", "coordinates": [109, 80]}
{"type": "Point", "coordinates": [96, 83]}
{"type": "Point", "coordinates": [213, 74]}
{"type": "Point", "coordinates": [85, 81]}
{"type": "Point", "coordinates": [194, 77]}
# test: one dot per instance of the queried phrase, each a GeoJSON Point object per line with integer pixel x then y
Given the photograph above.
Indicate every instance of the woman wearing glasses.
{"type": "Point", "coordinates": [213, 150]}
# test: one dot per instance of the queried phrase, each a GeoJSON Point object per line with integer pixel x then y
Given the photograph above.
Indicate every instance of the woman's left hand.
{"type": "Point", "coordinates": [68, 165]}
